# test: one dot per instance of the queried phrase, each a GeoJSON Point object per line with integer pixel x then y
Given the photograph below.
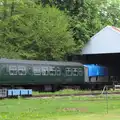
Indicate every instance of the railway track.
{"type": "Point", "coordinates": [67, 95]}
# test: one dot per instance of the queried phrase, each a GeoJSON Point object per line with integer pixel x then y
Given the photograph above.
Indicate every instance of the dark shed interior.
{"type": "Point", "coordinates": [104, 49]}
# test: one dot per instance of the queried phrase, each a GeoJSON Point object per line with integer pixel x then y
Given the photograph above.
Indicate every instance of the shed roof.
{"type": "Point", "coordinates": [104, 42]}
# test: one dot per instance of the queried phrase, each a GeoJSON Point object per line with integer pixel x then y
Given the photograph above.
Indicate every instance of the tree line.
{"type": "Point", "coordinates": [50, 29]}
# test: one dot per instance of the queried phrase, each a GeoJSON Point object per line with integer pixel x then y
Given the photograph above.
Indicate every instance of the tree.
{"type": "Point", "coordinates": [109, 13]}
{"type": "Point", "coordinates": [84, 18]}
{"type": "Point", "coordinates": [85, 21]}
{"type": "Point", "coordinates": [36, 32]}
{"type": "Point", "coordinates": [87, 17]}
{"type": "Point", "coordinates": [5, 47]}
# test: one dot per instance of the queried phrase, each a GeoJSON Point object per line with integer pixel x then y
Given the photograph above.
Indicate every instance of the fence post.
{"type": "Point", "coordinates": [107, 98]}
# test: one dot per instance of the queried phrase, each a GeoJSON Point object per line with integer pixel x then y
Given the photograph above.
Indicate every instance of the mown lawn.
{"type": "Point", "coordinates": [65, 108]}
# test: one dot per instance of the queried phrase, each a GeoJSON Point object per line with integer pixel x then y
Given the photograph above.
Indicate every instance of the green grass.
{"type": "Point", "coordinates": [71, 91]}
{"type": "Point", "coordinates": [65, 108]}
{"type": "Point", "coordinates": [65, 91]}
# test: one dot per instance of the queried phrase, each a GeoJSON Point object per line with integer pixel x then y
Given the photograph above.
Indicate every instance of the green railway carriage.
{"type": "Point", "coordinates": [32, 72]}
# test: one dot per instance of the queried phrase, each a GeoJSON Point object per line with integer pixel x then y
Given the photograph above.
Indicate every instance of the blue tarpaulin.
{"type": "Point", "coordinates": [96, 70]}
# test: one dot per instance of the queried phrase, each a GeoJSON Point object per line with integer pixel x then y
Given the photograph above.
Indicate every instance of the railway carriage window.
{"type": "Point", "coordinates": [52, 71]}
{"type": "Point", "coordinates": [30, 71]}
{"type": "Point", "coordinates": [45, 71]}
{"type": "Point", "coordinates": [80, 71]}
{"type": "Point", "coordinates": [58, 71]}
{"type": "Point", "coordinates": [13, 70]}
{"type": "Point", "coordinates": [68, 71]}
{"type": "Point", "coordinates": [21, 70]}
{"type": "Point", "coordinates": [36, 70]}
{"type": "Point", "coordinates": [75, 71]}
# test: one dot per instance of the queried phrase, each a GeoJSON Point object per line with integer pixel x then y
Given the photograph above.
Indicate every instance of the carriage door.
{"type": "Point", "coordinates": [68, 75]}
{"type": "Point", "coordinates": [4, 74]}
{"type": "Point", "coordinates": [29, 74]}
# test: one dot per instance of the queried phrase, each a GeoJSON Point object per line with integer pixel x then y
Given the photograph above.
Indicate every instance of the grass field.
{"type": "Point", "coordinates": [65, 108]}
{"type": "Point", "coordinates": [71, 91]}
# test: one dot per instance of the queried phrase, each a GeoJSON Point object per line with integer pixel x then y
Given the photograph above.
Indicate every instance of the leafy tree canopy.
{"type": "Point", "coordinates": [35, 32]}
{"type": "Point", "coordinates": [48, 29]}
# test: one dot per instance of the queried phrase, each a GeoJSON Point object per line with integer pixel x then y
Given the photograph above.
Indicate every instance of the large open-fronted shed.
{"type": "Point", "coordinates": [103, 47]}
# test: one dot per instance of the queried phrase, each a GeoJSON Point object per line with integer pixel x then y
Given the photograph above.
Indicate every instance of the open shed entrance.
{"type": "Point", "coordinates": [104, 49]}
